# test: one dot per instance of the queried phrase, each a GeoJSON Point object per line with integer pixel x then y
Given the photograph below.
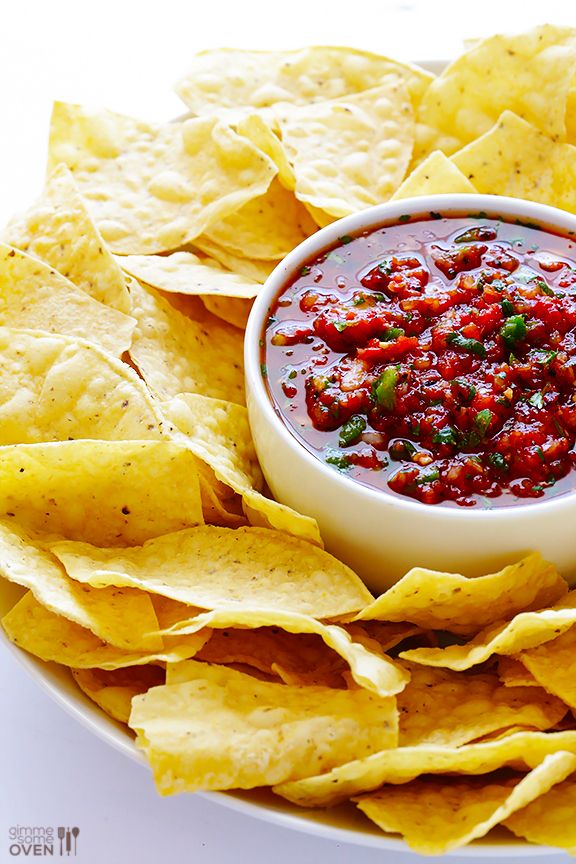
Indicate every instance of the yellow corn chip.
{"type": "Point", "coordinates": [553, 666]}
{"type": "Point", "coordinates": [442, 707]}
{"type": "Point", "coordinates": [211, 567]}
{"type": "Point", "coordinates": [515, 158]}
{"type": "Point", "coordinates": [40, 632]}
{"type": "Point", "coordinates": [186, 273]}
{"type": "Point", "coordinates": [375, 672]}
{"type": "Point", "coordinates": [154, 188]}
{"type": "Point", "coordinates": [251, 268]}
{"type": "Point", "coordinates": [175, 353]}
{"type": "Point", "coordinates": [114, 690]}
{"type": "Point", "coordinates": [549, 819]}
{"type": "Point", "coordinates": [103, 492]}
{"type": "Point", "coordinates": [234, 310]}
{"type": "Point", "coordinates": [255, 127]}
{"type": "Point", "coordinates": [266, 228]}
{"type": "Point", "coordinates": [53, 388]}
{"type": "Point", "coordinates": [36, 297]}
{"type": "Point", "coordinates": [525, 630]}
{"type": "Point", "coordinates": [434, 176]}
{"type": "Point", "coordinates": [435, 816]}
{"type": "Point", "coordinates": [520, 750]}
{"type": "Point", "coordinates": [58, 230]}
{"type": "Point", "coordinates": [123, 617]}
{"type": "Point", "coordinates": [349, 154]}
{"type": "Point", "coordinates": [218, 433]}
{"type": "Point", "coordinates": [449, 601]}
{"type": "Point", "coordinates": [222, 729]}
{"type": "Point", "coordinates": [227, 512]}
{"type": "Point", "coordinates": [229, 78]}
{"type": "Point", "coordinates": [529, 73]}
{"type": "Point", "coordinates": [513, 673]}
{"type": "Point", "coordinates": [383, 634]}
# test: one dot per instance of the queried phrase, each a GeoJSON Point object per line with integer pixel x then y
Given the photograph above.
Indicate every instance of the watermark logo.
{"type": "Point", "coordinates": [34, 841]}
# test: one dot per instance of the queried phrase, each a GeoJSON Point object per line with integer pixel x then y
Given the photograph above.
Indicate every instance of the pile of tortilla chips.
{"type": "Point", "coordinates": [186, 602]}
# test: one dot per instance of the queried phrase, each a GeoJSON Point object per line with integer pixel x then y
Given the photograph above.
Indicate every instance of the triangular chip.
{"type": "Point", "coordinates": [553, 666]}
{"type": "Point", "coordinates": [436, 175]}
{"type": "Point", "coordinates": [251, 268]}
{"type": "Point", "coordinates": [151, 188]}
{"type": "Point", "coordinates": [222, 729]}
{"type": "Point", "coordinates": [59, 230]}
{"type": "Point", "coordinates": [113, 690]}
{"type": "Point", "coordinates": [218, 433]}
{"type": "Point", "coordinates": [35, 296]}
{"type": "Point", "coordinates": [548, 820]}
{"type": "Point", "coordinates": [175, 353]}
{"type": "Point", "coordinates": [186, 273]}
{"type": "Point", "coordinates": [213, 567]}
{"type": "Point", "coordinates": [261, 133]}
{"type": "Point", "coordinates": [233, 310]}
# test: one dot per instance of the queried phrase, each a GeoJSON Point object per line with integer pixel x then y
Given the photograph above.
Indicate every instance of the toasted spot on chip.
{"type": "Point", "coordinates": [449, 601]}
{"type": "Point", "coordinates": [529, 73]}
{"type": "Point", "coordinates": [222, 729]}
{"type": "Point", "coordinates": [439, 706]}
{"type": "Point", "coordinates": [525, 630]}
{"type": "Point", "coordinates": [268, 227]}
{"type": "Point", "coordinates": [435, 816]}
{"type": "Point", "coordinates": [53, 388]}
{"type": "Point", "coordinates": [517, 159]}
{"type": "Point", "coordinates": [521, 750]}
{"type": "Point", "coordinates": [121, 616]}
{"type": "Point", "coordinates": [374, 671]}
{"type": "Point", "coordinates": [113, 690]}
{"type": "Point", "coordinates": [176, 353]}
{"type": "Point", "coordinates": [186, 273]}
{"type": "Point", "coordinates": [436, 175]}
{"type": "Point", "coordinates": [40, 632]}
{"type": "Point", "coordinates": [103, 492]}
{"type": "Point", "coordinates": [350, 154]}
{"type": "Point", "coordinates": [218, 433]}
{"type": "Point", "coordinates": [59, 230]}
{"type": "Point", "coordinates": [36, 297]}
{"type": "Point", "coordinates": [151, 188]}
{"type": "Point", "coordinates": [234, 310]}
{"type": "Point", "coordinates": [251, 268]}
{"type": "Point", "coordinates": [210, 567]}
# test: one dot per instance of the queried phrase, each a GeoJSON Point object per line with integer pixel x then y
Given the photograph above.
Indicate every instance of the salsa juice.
{"type": "Point", "coordinates": [434, 359]}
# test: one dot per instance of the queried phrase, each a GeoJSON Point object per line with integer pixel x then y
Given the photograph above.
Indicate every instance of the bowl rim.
{"type": "Point", "coordinates": [372, 218]}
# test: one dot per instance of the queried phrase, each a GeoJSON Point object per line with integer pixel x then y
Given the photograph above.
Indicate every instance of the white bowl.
{"type": "Point", "coordinates": [379, 535]}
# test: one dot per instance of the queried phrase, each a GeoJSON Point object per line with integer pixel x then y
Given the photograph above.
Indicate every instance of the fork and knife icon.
{"type": "Point", "coordinates": [65, 836]}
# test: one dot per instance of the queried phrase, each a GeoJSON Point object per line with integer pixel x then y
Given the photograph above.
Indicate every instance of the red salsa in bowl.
{"type": "Point", "coordinates": [434, 359]}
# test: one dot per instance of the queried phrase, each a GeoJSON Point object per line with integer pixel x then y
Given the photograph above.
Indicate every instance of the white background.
{"type": "Point", "coordinates": [126, 55]}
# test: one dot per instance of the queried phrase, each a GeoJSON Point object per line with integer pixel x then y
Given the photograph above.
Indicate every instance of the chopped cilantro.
{"type": "Point", "coordinates": [263, 370]}
{"type": "Point", "coordinates": [392, 333]}
{"type": "Point", "coordinates": [432, 475]}
{"type": "Point", "coordinates": [340, 326]}
{"type": "Point", "coordinates": [464, 390]}
{"type": "Point", "coordinates": [513, 331]}
{"type": "Point", "coordinates": [498, 461]}
{"type": "Point", "coordinates": [540, 454]}
{"type": "Point", "coordinates": [482, 421]}
{"type": "Point", "coordinates": [402, 449]}
{"type": "Point", "coordinates": [305, 270]}
{"type": "Point", "coordinates": [339, 460]}
{"type": "Point", "coordinates": [351, 430]}
{"type": "Point", "coordinates": [547, 358]}
{"type": "Point", "coordinates": [507, 308]}
{"type": "Point", "coordinates": [383, 389]}
{"type": "Point", "coordinates": [447, 435]}
{"type": "Point", "coordinates": [405, 217]}
{"type": "Point", "coordinates": [345, 239]}
{"type": "Point", "coordinates": [472, 346]}
{"type": "Point", "coordinates": [537, 400]}
{"type": "Point", "coordinates": [435, 215]}
{"type": "Point", "coordinates": [358, 301]}
{"type": "Point", "coordinates": [292, 374]}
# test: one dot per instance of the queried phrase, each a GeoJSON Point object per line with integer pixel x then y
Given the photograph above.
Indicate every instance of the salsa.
{"type": "Point", "coordinates": [434, 359]}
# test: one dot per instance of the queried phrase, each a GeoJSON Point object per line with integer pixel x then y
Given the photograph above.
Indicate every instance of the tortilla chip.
{"type": "Point", "coordinates": [435, 816]}
{"type": "Point", "coordinates": [225, 512]}
{"type": "Point", "coordinates": [525, 630]}
{"type": "Point", "coordinates": [186, 273]}
{"type": "Point", "coordinates": [436, 175]}
{"type": "Point", "coordinates": [123, 617]}
{"type": "Point", "coordinates": [442, 707]}
{"type": "Point", "coordinates": [513, 673]}
{"type": "Point", "coordinates": [267, 228]}
{"type": "Point", "coordinates": [257, 271]}
{"type": "Point", "coordinates": [151, 188]}
{"type": "Point", "coordinates": [222, 729]}
{"type": "Point", "coordinates": [553, 666]}
{"type": "Point", "coordinates": [230, 78]}
{"type": "Point", "coordinates": [175, 353]}
{"type": "Point", "coordinates": [35, 297]}
{"type": "Point", "coordinates": [515, 158]}
{"type": "Point", "coordinates": [234, 310]}
{"type": "Point", "coordinates": [383, 634]}
{"type": "Point", "coordinates": [35, 629]}
{"type": "Point", "coordinates": [218, 433]}
{"type": "Point", "coordinates": [255, 127]}
{"type": "Point", "coordinates": [521, 750]}
{"type": "Point", "coordinates": [59, 230]}
{"type": "Point", "coordinates": [211, 567]}
{"type": "Point", "coordinates": [53, 388]}
{"type": "Point", "coordinates": [349, 154]}
{"type": "Point", "coordinates": [529, 73]}
{"type": "Point", "coordinates": [114, 690]}
{"type": "Point", "coordinates": [103, 492]}
{"type": "Point", "coordinates": [375, 672]}
{"type": "Point", "coordinates": [548, 820]}
{"type": "Point", "coordinates": [449, 601]}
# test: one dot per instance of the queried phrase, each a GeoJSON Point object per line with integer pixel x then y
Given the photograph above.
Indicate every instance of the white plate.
{"type": "Point", "coordinates": [343, 824]}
